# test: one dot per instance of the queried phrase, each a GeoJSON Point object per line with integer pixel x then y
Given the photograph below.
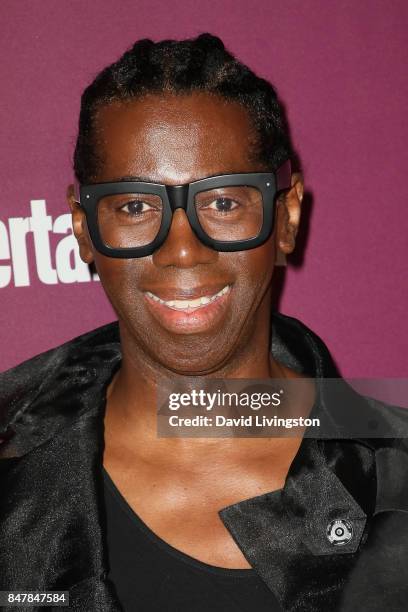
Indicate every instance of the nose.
{"type": "Point", "coordinates": [182, 248]}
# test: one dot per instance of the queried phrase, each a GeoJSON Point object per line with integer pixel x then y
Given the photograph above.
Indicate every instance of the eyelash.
{"type": "Point", "coordinates": [151, 207]}
{"type": "Point", "coordinates": [213, 201]}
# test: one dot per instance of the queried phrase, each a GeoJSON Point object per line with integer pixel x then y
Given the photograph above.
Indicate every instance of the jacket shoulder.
{"type": "Point", "coordinates": [391, 422]}
{"type": "Point", "coordinates": [25, 384]}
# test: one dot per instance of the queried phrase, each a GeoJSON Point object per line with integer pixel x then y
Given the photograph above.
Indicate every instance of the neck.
{"type": "Point", "coordinates": [132, 394]}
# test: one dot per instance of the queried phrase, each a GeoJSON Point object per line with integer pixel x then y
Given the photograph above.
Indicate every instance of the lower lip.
{"type": "Point", "coordinates": [198, 320]}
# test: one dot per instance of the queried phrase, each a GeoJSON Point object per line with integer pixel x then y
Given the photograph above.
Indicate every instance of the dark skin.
{"type": "Point", "coordinates": [178, 485]}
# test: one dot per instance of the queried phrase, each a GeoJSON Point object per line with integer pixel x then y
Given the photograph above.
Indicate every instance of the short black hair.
{"type": "Point", "coordinates": [198, 64]}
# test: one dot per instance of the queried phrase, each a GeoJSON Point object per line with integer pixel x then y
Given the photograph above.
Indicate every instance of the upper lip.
{"type": "Point", "coordinates": [192, 293]}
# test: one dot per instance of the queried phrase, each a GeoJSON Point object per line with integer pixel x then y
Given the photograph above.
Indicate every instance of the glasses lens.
{"type": "Point", "coordinates": [230, 213]}
{"type": "Point", "coordinates": [129, 220]}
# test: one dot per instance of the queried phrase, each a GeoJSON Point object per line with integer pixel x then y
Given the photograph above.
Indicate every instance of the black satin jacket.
{"type": "Point", "coordinates": [52, 516]}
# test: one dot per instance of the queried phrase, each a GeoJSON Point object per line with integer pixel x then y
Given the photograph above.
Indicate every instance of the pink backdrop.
{"type": "Point", "coordinates": [340, 67]}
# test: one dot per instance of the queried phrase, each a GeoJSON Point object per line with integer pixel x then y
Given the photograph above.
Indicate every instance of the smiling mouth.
{"type": "Point", "coordinates": [189, 305]}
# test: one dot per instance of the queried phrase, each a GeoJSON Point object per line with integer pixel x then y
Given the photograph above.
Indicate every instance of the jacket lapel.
{"type": "Point", "coordinates": [284, 534]}
{"type": "Point", "coordinates": [52, 518]}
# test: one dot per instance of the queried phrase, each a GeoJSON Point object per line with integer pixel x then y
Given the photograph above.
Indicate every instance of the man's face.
{"type": "Point", "coordinates": [177, 139]}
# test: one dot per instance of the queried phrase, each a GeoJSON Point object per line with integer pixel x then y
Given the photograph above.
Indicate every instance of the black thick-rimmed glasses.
{"type": "Point", "coordinates": [230, 212]}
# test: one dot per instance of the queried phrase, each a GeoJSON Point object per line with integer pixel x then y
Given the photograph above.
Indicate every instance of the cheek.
{"type": "Point", "coordinates": [255, 266]}
{"type": "Point", "coordinates": [119, 278]}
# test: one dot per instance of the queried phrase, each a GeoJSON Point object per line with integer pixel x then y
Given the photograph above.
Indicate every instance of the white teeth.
{"type": "Point", "coordinates": [187, 304]}
{"type": "Point", "coordinates": [178, 303]}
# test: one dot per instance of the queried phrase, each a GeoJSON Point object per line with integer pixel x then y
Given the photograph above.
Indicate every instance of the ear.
{"type": "Point", "coordinates": [288, 217]}
{"type": "Point", "coordinates": [80, 227]}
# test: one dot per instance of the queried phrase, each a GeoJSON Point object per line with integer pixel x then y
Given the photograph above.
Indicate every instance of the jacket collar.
{"type": "Point", "coordinates": [284, 534]}
{"type": "Point", "coordinates": [52, 408]}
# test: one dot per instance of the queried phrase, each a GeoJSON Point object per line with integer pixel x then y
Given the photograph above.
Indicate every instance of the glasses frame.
{"type": "Point", "coordinates": [182, 196]}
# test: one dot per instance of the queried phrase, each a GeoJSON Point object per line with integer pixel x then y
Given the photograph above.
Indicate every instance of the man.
{"type": "Point", "coordinates": [185, 200]}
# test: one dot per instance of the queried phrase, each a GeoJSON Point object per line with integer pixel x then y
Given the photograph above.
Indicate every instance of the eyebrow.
{"type": "Point", "coordinates": [147, 179]}
{"type": "Point", "coordinates": [140, 179]}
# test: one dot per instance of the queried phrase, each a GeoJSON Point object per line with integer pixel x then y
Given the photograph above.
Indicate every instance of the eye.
{"type": "Point", "coordinates": [136, 207]}
{"type": "Point", "coordinates": [223, 205]}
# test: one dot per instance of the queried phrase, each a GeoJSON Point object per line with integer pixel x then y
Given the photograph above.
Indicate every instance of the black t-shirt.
{"type": "Point", "coordinates": [152, 576]}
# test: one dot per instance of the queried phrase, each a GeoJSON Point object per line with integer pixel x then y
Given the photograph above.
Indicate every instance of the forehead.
{"type": "Point", "coordinates": [174, 138]}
